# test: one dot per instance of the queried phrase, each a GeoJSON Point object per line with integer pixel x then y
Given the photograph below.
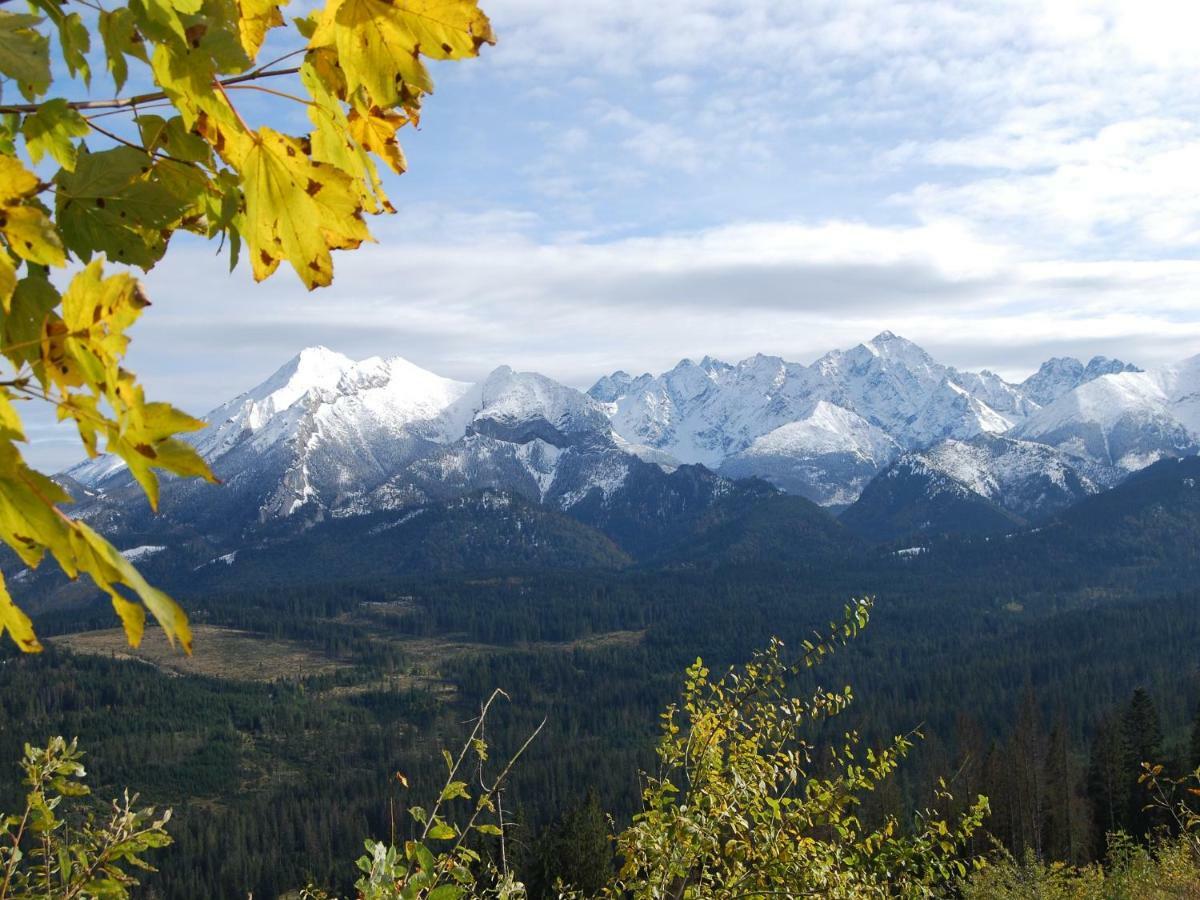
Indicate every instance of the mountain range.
{"type": "Point", "coordinates": [882, 434]}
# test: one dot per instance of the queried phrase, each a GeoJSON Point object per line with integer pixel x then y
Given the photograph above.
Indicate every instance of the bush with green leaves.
{"type": "Point", "coordinates": [60, 847]}
{"type": "Point", "coordinates": [744, 804]}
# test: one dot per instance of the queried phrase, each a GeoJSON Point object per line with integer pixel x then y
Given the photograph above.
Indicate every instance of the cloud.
{"type": "Point", "coordinates": [619, 184]}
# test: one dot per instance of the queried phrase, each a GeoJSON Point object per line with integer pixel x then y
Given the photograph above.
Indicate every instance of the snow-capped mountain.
{"type": "Point", "coordinates": [827, 456]}
{"type": "Point", "coordinates": [1062, 374]}
{"type": "Point", "coordinates": [1125, 420]}
{"type": "Point", "coordinates": [822, 430]}
{"type": "Point", "coordinates": [328, 437]}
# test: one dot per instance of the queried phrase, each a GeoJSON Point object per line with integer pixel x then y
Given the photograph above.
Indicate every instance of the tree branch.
{"type": "Point", "coordinates": [140, 99]}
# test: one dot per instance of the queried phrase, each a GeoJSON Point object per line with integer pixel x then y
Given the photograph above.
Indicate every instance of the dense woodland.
{"type": "Point", "coordinates": [1034, 680]}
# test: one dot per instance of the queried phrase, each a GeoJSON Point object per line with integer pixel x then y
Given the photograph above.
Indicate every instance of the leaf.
{"type": "Point", "coordinates": [8, 281]}
{"type": "Point", "coordinates": [455, 789]}
{"type": "Point", "coordinates": [297, 209]}
{"type": "Point", "coordinates": [120, 39]}
{"type": "Point", "coordinates": [133, 618]}
{"type": "Point", "coordinates": [172, 137]}
{"type": "Point", "coordinates": [107, 206]}
{"type": "Point", "coordinates": [108, 568]}
{"type": "Point", "coordinates": [50, 130]}
{"type": "Point", "coordinates": [445, 892]}
{"type": "Point", "coordinates": [31, 235]}
{"type": "Point", "coordinates": [28, 229]}
{"type": "Point", "coordinates": [255, 19]}
{"type": "Point", "coordinates": [376, 130]}
{"type": "Point", "coordinates": [11, 428]}
{"type": "Point", "coordinates": [24, 53]}
{"type": "Point", "coordinates": [16, 182]}
{"type": "Point", "coordinates": [379, 43]}
{"type": "Point", "coordinates": [73, 37]}
{"type": "Point", "coordinates": [16, 623]}
{"type": "Point", "coordinates": [442, 832]}
{"type": "Point", "coordinates": [329, 141]}
{"type": "Point", "coordinates": [25, 314]}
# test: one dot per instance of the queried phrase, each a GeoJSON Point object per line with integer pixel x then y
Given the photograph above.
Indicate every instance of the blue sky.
{"type": "Point", "coordinates": [619, 184]}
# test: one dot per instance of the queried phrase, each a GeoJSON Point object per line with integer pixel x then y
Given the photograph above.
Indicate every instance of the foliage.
{"type": "Point", "coordinates": [1166, 870]}
{"type": "Point", "coordinates": [78, 188]}
{"type": "Point", "coordinates": [57, 848]}
{"type": "Point", "coordinates": [1166, 866]}
{"type": "Point", "coordinates": [1175, 800]}
{"type": "Point", "coordinates": [745, 805]}
{"type": "Point", "coordinates": [439, 864]}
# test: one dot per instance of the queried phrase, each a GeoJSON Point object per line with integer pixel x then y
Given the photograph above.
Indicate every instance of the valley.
{"type": "Point", "coordinates": [389, 547]}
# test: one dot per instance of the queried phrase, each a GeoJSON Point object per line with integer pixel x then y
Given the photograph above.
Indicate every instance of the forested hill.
{"type": "Point", "coordinates": [325, 661]}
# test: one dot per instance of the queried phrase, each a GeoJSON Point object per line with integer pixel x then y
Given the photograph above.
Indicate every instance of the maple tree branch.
{"type": "Point", "coordinates": [267, 90]}
{"type": "Point", "coordinates": [140, 99]}
{"type": "Point", "coordinates": [120, 140]}
{"type": "Point", "coordinates": [233, 109]}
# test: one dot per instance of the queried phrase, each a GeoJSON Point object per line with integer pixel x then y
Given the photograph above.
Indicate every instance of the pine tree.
{"type": "Point", "coordinates": [1143, 739]}
{"type": "Point", "coordinates": [1195, 748]}
{"type": "Point", "coordinates": [1108, 786]}
{"type": "Point", "coordinates": [1059, 841]}
{"type": "Point", "coordinates": [576, 851]}
{"type": "Point", "coordinates": [1027, 757]}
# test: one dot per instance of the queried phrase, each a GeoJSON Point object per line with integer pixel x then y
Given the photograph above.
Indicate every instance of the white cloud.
{"type": "Point", "coordinates": [1000, 180]}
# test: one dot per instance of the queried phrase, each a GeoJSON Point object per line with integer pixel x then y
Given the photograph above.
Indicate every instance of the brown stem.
{"type": "Point", "coordinates": [120, 140]}
{"type": "Point", "coordinates": [153, 96]}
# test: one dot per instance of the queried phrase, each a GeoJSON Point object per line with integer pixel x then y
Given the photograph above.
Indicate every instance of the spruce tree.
{"type": "Point", "coordinates": [1195, 748]}
{"type": "Point", "coordinates": [1143, 739]}
{"type": "Point", "coordinates": [1108, 784]}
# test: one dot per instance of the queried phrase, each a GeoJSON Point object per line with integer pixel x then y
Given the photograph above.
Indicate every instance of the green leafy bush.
{"type": "Point", "coordinates": [58, 847]}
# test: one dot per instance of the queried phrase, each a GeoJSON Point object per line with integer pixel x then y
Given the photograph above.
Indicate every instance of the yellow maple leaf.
{"type": "Point", "coordinates": [297, 209]}
{"type": "Point", "coordinates": [380, 43]}
{"type": "Point", "coordinates": [255, 19]}
{"type": "Point", "coordinates": [376, 131]}
{"type": "Point", "coordinates": [27, 229]}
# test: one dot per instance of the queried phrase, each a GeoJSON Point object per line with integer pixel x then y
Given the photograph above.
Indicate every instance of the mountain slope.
{"type": "Point", "coordinates": [915, 500]}
{"type": "Point", "coordinates": [828, 456]}
{"type": "Point", "coordinates": [978, 486]}
{"type": "Point", "coordinates": [1124, 420]}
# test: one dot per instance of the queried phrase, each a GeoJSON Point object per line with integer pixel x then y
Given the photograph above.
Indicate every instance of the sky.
{"type": "Point", "coordinates": [621, 184]}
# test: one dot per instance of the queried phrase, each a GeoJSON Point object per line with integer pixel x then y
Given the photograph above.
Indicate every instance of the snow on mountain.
{"type": "Point", "coordinates": [321, 427]}
{"type": "Point", "coordinates": [519, 406]}
{"type": "Point", "coordinates": [713, 413]}
{"type": "Point", "coordinates": [1125, 420]}
{"type": "Point", "coordinates": [1062, 374]}
{"type": "Point", "coordinates": [1024, 477]}
{"type": "Point", "coordinates": [702, 413]}
{"type": "Point", "coordinates": [828, 456]}
{"type": "Point", "coordinates": [327, 436]}
{"type": "Point", "coordinates": [1008, 400]}
{"type": "Point", "coordinates": [1181, 383]}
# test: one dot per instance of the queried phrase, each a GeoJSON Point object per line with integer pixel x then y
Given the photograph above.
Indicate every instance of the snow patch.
{"type": "Point", "coordinates": [135, 553]}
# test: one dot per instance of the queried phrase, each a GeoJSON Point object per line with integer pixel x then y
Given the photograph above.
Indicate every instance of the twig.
{"type": "Point", "coordinates": [151, 97]}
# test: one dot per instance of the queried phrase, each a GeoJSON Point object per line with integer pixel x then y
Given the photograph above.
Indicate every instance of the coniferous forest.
{"type": "Point", "coordinates": [1043, 686]}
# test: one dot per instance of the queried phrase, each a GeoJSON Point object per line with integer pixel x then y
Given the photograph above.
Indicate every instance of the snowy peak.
{"type": "Point", "coordinates": [1062, 374]}
{"type": "Point", "coordinates": [1124, 420]}
{"type": "Point", "coordinates": [524, 406]}
{"type": "Point", "coordinates": [611, 387]}
{"type": "Point", "coordinates": [828, 456]}
{"type": "Point", "coordinates": [319, 386]}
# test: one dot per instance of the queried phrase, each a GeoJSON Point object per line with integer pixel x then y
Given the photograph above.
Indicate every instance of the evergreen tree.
{"type": "Point", "coordinates": [1027, 758]}
{"type": "Point", "coordinates": [1195, 748]}
{"type": "Point", "coordinates": [1059, 839]}
{"type": "Point", "coordinates": [576, 851]}
{"type": "Point", "coordinates": [1108, 783]}
{"type": "Point", "coordinates": [1143, 739]}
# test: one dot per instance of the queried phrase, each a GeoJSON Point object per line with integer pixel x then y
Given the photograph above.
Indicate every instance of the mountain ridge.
{"type": "Point", "coordinates": [325, 437]}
